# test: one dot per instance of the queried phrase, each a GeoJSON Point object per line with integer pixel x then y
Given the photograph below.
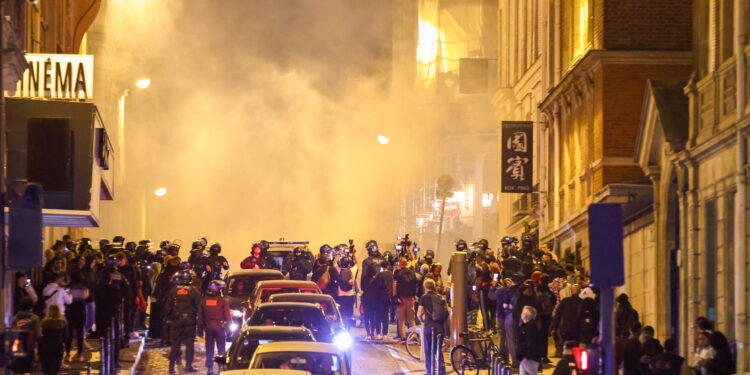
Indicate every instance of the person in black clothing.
{"type": "Point", "coordinates": [633, 352]}
{"type": "Point", "coordinates": [108, 299]}
{"type": "Point", "coordinates": [511, 325]}
{"type": "Point", "coordinates": [23, 289]}
{"type": "Point", "coordinates": [182, 306]}
{"type": "Point", "coordinates": [529, 343]}
{"type": "Point", "coordinates": [129, 290]}
{"type": "Point", "coordinates": [668, 362]}
{"type": "Point", "coordinates": [567, 364]}
{"type": "Point", "coordinates": [52, 344]}
{"type": "Point", "coordinates": [405, 289]}
{"type": "Point", "coordinates": [370, 269]}
{"type": "Point", "coordinates": [26, 320]}
{"type": "Point", "coordinates": [588, 323]}
{"type": "Point", "coordinates": [76, 314]}
{"type": "Point", "coordinates": [565, 321]}
{"type": "Point", "coordinates": [722, 363]}
{"type": "Point", "coordinates": [625, 316]}
{"type": "Point", "coordinates": [498, 293]}
{"type": "Point", "coordinates": [384, 289]}
{"type": "Point", "coordinates": [651, 346]}
{"type": "Point", "coordinates": [431, 328]}
{"type": "Point", "coordinates": [297, 265]}
{"type": "Point", "coordinates": [324, 273]}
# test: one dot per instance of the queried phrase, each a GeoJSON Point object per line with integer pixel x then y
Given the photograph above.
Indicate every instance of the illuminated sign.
{"type": "Point", "coordinates": [57, 76]}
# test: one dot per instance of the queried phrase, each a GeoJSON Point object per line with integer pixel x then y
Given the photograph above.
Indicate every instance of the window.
{"type": "Point", "coordinates": [701, 36]}
{"type": "Point", "coordinates": [709, 251]}
{"type": "Point", "coordinates": [729, 263]}
{"type": "Point", "coordinates": [726, 29]}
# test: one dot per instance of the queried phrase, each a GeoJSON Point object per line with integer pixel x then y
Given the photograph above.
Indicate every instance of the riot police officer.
{"type": "Point", "coordinates": [214, 315]}
{"type": "Point", "coordinates": [183, 304]}
{"type": "Point", "coordinates": [216, 262]}
{"type": "Point", "coordinates": [298, 264]}
{"type": "Point", "coordinates": [426, 263]}
{"type": "Point", "coordinates": [324, 273]}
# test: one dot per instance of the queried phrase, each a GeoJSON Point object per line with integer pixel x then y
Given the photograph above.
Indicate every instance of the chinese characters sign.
{"type": "Point", "coordinates": [517, 156]}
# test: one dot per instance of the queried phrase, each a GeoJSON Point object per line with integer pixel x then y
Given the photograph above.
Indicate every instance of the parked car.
{"type": "Point", "coordinates": [293, 314]}
{"type": "Point", "coordinates": [315, 357]}
{"type": "Point", "coordinates": [239, 285]}
{"type": "Point", "coordinates": [265, 289]}
{"type": "Point", "coordinates": [243, 347]}
{"type": "Point", "coordinates": [327, 304]}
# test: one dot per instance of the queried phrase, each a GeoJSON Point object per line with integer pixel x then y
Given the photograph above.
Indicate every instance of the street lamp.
{"type": "Point", "coordinates": [383, 140]}
{"type": "Point", "coordinates": [160, 192]}
{"type": "Point", "coordinates": [143, 83]}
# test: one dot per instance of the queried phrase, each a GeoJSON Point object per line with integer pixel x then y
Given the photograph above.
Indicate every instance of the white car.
{"type": "Point", "coordinates": [317, 358]}
{"type": "Point", "coordinates": [267, 371]}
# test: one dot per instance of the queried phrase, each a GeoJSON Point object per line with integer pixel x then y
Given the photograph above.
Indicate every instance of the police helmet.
{"type": "Point", "coordinates": [186, 277]}
{"type": "Point", "coordinates": [264, 245]}
{"type": "Point", "coordinates": [429, 254]}
{"type": "Point", "coordinates": [436, 266]}
{"type": "Point", "coordinates": [325, 249]}
{"type": "Point", "coordinates": [175, 279]}
{"type": "Point", "coordinates": [163, 244]}
{"type": "Point", "coordinates": [215, 248]}
{"type": "Point", "coordinates": [373, 250]}
{"type": "Point", "coordinates": [371, 243]}
{"type": "Point", "coordinates": [185, 266]}
{"type": "Point", "coordinates": [215, 287]}
{"type": "Point", "coordinates": [130, 246]}
{"type": "Point", "coordinates": [198, 244]}
{"type": "Point", "coordinates": [526, 238]}
{"type": "Point", "coordinates": [461, 245]}
{"type": "Point", "coordinates": [346, 262]}
{"type": "Point", "coordinates": [507, 240]}
{"type": "Point", "coordinates": [482, 244]}
{"type": "Point", "coordinates": [110, 261]}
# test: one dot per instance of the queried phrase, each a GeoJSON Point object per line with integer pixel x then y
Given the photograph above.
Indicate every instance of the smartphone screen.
{"type": "Point", "coordinates": [497, 275]}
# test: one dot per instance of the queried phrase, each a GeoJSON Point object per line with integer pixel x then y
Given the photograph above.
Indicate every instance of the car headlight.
{"type": "Point", "coordinates": [233, 327]}
{"type": "Point", "coordinates": [343, 340]}
{"type": "Point", "coordinates": [237, 313]}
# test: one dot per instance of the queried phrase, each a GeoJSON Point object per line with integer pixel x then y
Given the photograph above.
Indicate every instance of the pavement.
{"type": "Point", "coordinates": [387, 357]}
{"type": "Point", "coordinates": [91, 363]}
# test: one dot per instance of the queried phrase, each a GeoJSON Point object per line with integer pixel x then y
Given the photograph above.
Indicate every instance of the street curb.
{"type": "Point", "coordinates": [137, 359]}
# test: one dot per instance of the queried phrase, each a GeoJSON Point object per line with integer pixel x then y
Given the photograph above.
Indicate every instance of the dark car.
{"type": "Point", "coordinates": [244, 345]}
{"type": "Point", "coordinates": [327, 304]}
{"type": "Point", "coordinates": [293, 314]}
{"type": "Point", "coordinates": [239, 286]}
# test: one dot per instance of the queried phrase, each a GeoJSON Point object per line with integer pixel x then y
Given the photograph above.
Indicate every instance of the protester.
{"type": "Point", "coordinates": [26, 320]}
{"type": "Point", "coordinates": [24, 288]}
{"type": "Point", "coordinates": [75, 314]}
{"type": "Point", "coordinates": [633, 352]}
{"type": "Point", "coordinates": [625, 315]}
{"type": "Point", "coordinates": [567, 364]}
{"type": "Point", "coordinates": [52, 344]}
{"type": "Point", "coordinates": [404, 290]}
{"type": "Point", "coordinates": [529, 343]}
{"type": "Point", "coordinates": [54, 293]}
{"type": "Point", "coordinates": [433, 312]}
{"type": "Point", "coordinates": [668, 362]}
{"type": "Point", "coordinates": [565, 322]}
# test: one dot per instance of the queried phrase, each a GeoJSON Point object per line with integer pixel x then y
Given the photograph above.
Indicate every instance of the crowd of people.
{"type": "Point", "coordinates": [522, 293]}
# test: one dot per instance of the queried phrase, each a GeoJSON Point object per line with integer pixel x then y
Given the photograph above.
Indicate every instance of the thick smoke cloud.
{"type": "Point", "coordinates": [261, 121]}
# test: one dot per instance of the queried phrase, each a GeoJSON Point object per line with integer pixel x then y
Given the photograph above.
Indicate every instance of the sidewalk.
{"type": "Point", "coordinates": [91, 364]}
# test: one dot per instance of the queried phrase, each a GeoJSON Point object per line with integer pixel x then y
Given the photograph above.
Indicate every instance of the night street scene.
{"type": "Point", "coordinates": [375, 187]}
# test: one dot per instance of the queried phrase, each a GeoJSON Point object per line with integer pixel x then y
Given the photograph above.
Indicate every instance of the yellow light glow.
{"type": "Point", "coordinates": [160, 192]}
{"type": "Point", "coordinates": [383, 140]}
{"type": "Point", "coordinates": [143, 83]}
{"type": "Point", "coordinates": [583, 22]}
{"type": "Point", "coordinates": [427, 49]}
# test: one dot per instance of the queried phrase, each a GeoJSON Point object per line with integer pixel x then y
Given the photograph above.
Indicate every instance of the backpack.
{"type": "Point", "coordinates": [587, 322]}
{"type": "Point", "coordinates": [439, 309]}
{"type": "Point", "coordinates": [407, 283]}
{"type": "Point", "coordinates": [324, 279]}
{"type": "Point", "coordinates": [346, 277]}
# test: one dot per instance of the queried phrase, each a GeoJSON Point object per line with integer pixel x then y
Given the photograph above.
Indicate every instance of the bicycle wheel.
{"type": "Point", "coordinates": [413, 345]}
{"type": "Point", "coordinates": [464, 361]}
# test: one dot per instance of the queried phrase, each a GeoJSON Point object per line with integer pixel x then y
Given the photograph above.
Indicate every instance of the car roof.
{"type": "Point", "coordinates": [263, 272]}
{"type": "Point", "coordinates": [265, 371]}
{"type": "Point", "coordinates": [302, 297]}
{"type": "Point", "coordinates": [286, 284]}
{"type": "Point", "coordinates": [298, 346]}
{"type": "Point", "coordinates": [275, 330]}
{"type": "Point", "coordinates": [281, 305]}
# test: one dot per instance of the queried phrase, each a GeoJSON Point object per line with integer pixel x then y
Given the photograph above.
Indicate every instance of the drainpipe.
{"type": "Point", "coordinates": [740, 226]}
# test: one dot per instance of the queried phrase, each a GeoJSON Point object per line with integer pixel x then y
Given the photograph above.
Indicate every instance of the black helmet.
{"type": "Point", "coordinates": [429, 254]}
{"type": "Point", "coordinates": [118, 240]}
{"type": "Point", "coordinates": [346, 262]}
{"type": "Point", "coordinates": [482, 244]}
{"type": "Point", "coordinates": [373, 250]}
{"type": "Point", "coordinates": [215, 287]}
{"type": "Point", "coordinates": [215, 248]}
{"type": "Point", "coordinates": [163, 244]}
{"type": "Point", "coordinates": [461, 245]}
{"type": "Point", "coordinates": [175, 279]}
{"type": "Point", "coordinates": [507, 240]}
{"type": "Point", "coordinates": [388, 257]}
{"type": "Point", "coordinates": [325, 249]}
{"type": "Point", "coordinates": [526, 238]}
{"type": "Point", "coordinates": [371, 243]}
{"type": "Point", "coordinates": [264, 245]}
{"type": "Point", "coordinates": [130, 246]}
{"type": "Point", "coordinates": [198, 244]}
{"type": "Point", "coordinates": [185, 266]}
{"type": "Point", "coordinates": [186, 277]}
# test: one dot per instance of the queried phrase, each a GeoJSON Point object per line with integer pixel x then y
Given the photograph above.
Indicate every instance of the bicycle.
{"type": "Point", "coordinates": [413, 342]}
{"type": "Point", "coordinates": [466, 361]}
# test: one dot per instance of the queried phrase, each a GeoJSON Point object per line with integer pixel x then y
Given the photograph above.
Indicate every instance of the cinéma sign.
{"type": "Point", "coordinates": [57, 76]}
{"type": "Point", "coordinates": [517, 156]}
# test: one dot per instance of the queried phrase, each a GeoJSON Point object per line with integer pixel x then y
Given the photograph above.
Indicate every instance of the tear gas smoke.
{"type": "Point", "coordinates": [262, 121]}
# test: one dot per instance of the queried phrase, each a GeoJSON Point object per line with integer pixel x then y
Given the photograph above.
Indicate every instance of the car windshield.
{"type": "Point", "coordinates": [266, 293]}
{"type": "Point", "coordinates": [278, 257]}
{"type": "Point", "coordinates": [309, 318]}
{"type": "Point", "coordinates": [315, 363]}
{"type": "Point", "coordinates": [246, 347]}
{"type": "Point", "coordinates": [242, 286]}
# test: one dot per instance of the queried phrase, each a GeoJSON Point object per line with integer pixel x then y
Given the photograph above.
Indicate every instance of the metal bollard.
{"type": "Point", "coordinates": [436, 353]}
{"type": "Point", "coordinates": [103, 354]}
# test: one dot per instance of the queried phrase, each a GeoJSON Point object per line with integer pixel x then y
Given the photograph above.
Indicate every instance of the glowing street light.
{"type": "Point", "coordinates": [143, 83]}
{"type": "Point", "coordinates": [383, 140]}
{"type": "Point", "coordinates": [160, 192]}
